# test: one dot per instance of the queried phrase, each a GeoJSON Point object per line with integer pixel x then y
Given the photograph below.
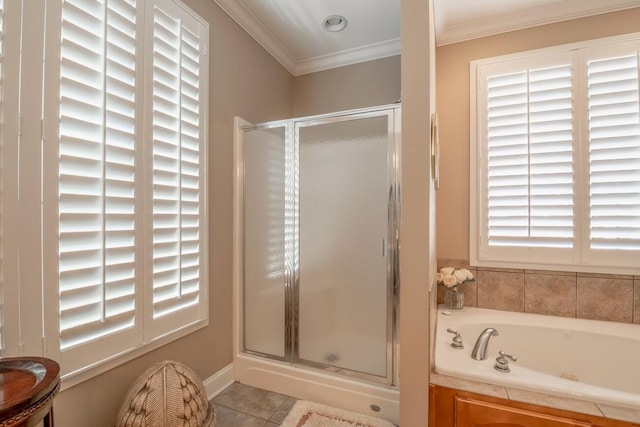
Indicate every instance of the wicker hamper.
{"type": "Point", "coordinates": [168, 394]}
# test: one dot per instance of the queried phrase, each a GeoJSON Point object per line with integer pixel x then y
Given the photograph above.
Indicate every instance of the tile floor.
{"type": "Point", "coordinates": [241, 405]}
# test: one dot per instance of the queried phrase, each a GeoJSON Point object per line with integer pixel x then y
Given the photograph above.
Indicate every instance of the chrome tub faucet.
{"type": "Point", "coordinates": [480, 349]}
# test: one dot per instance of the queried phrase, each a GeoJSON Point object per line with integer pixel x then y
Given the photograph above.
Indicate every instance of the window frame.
{"type": "Point", "coordinates": [34, 322]}
{"type": "Point", "coordinates": [9, 168]}
{"type": "Point", "coordinates": [580, 257]}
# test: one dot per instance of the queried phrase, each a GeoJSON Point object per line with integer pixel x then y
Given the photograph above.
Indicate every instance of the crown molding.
{"type": "Point", "coordinates": [532, 17]}
{"type": "Point", "coordinates": [348, 57]}
{"type": "Point", "coordinates": [252, 25]}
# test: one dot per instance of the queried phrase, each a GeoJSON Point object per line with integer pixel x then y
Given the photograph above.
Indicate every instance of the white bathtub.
{"type": "Point", "coordinates": [601, 358]}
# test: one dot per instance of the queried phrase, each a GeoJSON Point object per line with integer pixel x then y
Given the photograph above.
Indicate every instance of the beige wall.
{"type": "Point", "coordinates": [354, 86]}
{"type": "Point", "coordinates": [417, 249]}
{"type": "Point", "coordinates": [452, 64]}
{"type": "Point", "coordinates": [245, 81]}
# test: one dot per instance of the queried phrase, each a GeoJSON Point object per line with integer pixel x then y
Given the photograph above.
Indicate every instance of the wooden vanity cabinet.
{"type": "Point", "coordinates": [457, 408]}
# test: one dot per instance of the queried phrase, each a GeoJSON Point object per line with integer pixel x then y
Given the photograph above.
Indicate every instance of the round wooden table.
{"type": "Point", "coordinates": [27, 388]}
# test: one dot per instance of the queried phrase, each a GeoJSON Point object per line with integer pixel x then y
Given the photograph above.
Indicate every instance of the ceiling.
{"type": "Point", "coordinates": [291, 30]}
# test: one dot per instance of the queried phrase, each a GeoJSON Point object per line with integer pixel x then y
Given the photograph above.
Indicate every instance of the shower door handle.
{"type": "Point", "coordinates": [384, 247]}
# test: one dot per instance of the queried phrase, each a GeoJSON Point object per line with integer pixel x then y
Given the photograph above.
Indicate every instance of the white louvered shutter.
{"type": "Point", "coordinates": [178, 154]}
{"type": "Point", "coordinates": [528, 156]}
{"type": "Point", "coordinates": [97, 170]}
{"type": "Point", "coordinates": [613, 86]}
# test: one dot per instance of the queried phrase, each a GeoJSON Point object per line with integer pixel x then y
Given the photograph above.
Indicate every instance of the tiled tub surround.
{"type": "Point", "coordinates": [611, 297]}
{"type": "Point", "coordinates": [546, 347]}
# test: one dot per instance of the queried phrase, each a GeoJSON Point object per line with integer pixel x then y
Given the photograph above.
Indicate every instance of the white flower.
{"type": "Point", "coordinates": [450, 276]}
{"type": "Point", "coordinates": [463, 275]}
{"type": "Point", "coordinates": [447, 270]}
{"type": "Point", "coordinates": [467, 273]}
{"type": "Point", "coordinates": [449, 281]}
{"type": "Point", "coordinates": [460, 276]}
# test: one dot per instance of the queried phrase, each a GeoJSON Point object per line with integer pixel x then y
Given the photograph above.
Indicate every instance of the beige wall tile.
{"type": "Point", "coordinates": [500, 290]}
{"type": "Point", "coordinates": [606, 275]}
{"type": "Point", "coordinates": [470, 290]}
{"type": "Point", "coordinates": [457, 263]}
{"type": "Point", "coordinates": [605, 299]}
{"type": "Point", "coordinates": [550, 294]}
{"type": "Point", "coordinates": [441, 292]}
{"type": "Point", "coordinates": [503, 270]}
{"type": "Point", "coordinates": [609, 297]}
{"type": "Point", "coordinates": [636, 300]}
{"type": "Point", "coordinates": [551, 272]}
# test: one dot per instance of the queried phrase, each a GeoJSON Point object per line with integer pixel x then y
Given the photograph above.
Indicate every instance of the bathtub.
{"type": "Point", "coordinates": [583, 359]}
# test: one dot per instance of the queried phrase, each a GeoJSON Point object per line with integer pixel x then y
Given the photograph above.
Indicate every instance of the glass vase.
{"type": "Point", "coordinates": [454, 299]}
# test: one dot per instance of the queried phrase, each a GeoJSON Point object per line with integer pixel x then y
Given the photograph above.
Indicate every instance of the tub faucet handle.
{"type": "Point", "coordinates": [502, 364]}
{"type": "Point", "coordinates": [457, 339]}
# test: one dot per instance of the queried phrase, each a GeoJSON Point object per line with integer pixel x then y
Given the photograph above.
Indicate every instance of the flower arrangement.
{"type": "Point", "coordinates": [452, 277]}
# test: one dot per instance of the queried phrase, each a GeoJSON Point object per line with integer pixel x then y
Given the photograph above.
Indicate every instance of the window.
{"type": "Point", "coordinates": [120, 244]}
{"type": "Point", "coordinates": [556, 138]}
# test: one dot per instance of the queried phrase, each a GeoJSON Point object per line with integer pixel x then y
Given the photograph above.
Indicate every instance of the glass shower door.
{"type": "Point", "coordinates": [264, 241]}
{"type": "Point", "coordinates": [343, 229]}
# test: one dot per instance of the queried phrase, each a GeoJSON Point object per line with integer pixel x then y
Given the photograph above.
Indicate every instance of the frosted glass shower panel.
{"type": "Point", "coordinates": [264, 241]}
{"type": "Point", "coordinates": [344, 204]}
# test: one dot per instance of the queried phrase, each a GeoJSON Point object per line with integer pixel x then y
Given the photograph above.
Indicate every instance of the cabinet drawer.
{"type": "Point", "coordinates": [471, 412]}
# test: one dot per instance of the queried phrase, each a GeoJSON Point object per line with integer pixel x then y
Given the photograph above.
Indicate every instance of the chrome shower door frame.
{"type": "Point", "coordinates": [292, 234]}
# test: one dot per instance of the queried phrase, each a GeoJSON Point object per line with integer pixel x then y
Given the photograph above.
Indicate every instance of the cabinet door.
{"type": "Point", "coordinates": [475, 413]}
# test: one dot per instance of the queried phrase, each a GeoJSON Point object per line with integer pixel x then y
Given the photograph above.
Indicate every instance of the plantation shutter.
{"type": "Point", "coordinates": [529, 158]}
{"type": "Point", "coordinates": [614, 151]}
{"type": "Point", "coordinates": [178, 135]}
{"type": "Point", "coordinates": [97, 169]}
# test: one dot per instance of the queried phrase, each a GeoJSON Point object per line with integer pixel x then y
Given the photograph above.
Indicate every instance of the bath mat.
{"type": "Point", "coordinates": [311, 414]}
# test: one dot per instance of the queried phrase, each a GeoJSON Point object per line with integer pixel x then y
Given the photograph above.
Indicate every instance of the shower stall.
{"type": "Point", "coordinates": [316, 257]}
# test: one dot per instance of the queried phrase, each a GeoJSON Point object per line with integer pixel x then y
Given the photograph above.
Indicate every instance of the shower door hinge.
{"type": "Point", "coordinates": [384, 247]}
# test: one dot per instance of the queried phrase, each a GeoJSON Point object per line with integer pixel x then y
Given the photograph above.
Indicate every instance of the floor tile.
{"type": "Point", "coordinates": [283, 410]}
{"type": "Point", "coordinates": [229, 418]}
{"type": "Point", "coordinates": [250, 400]}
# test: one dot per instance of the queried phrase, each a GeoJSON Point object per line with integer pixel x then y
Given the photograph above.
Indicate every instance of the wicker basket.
{"type": "Point", "coordinates": [168, 394]}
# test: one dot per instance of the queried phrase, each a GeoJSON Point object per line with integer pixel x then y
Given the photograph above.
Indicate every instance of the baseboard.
{"type": "Point", "coordinates": [219, 381]}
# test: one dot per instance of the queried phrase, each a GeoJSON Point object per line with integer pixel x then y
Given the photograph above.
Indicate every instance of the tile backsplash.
{"type": "Point", "coordinates": [610, 297]}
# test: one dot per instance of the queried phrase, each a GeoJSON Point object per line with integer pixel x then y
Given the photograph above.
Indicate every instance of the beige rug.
{"type": "Point", "coordinates": [310, 414]}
